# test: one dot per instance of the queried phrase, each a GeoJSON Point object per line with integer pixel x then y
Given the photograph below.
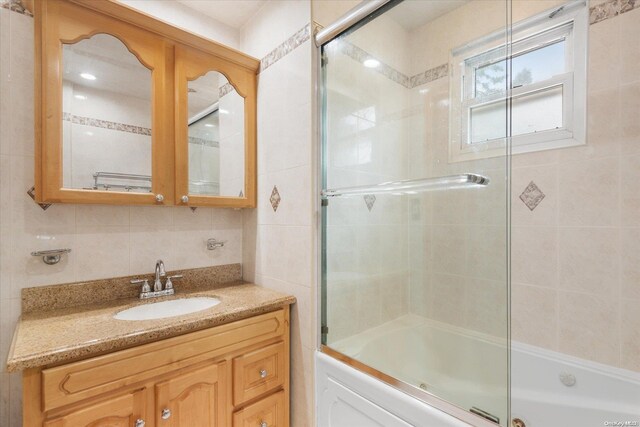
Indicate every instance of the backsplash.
{"type": "Point", "coordinates": [44, 298]}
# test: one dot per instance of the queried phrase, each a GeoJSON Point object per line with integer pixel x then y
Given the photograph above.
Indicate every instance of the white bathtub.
{"type": "Point", "coordinates": [601, 396]}
{"type": "Point", "coordinates": [470, 369]}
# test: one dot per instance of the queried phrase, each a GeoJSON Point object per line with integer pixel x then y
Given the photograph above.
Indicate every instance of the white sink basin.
{"type": "Point", "coordinates": [163, 309]}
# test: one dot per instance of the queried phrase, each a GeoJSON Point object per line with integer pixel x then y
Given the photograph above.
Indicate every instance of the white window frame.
{"type": "Point", "coordinates": [568, 23]}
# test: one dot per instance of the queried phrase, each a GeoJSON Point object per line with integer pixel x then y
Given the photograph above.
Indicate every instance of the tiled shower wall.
{"type": "Point", "coordinates": [367, 259]}
{"type": "Point", "coordinates": [105, 241]}
{"type": "Point", "coordinates": [576, 256]}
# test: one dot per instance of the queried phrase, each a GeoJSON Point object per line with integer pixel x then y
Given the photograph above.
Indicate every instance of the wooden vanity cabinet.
{"type": "Point", "coordinates": [232, 375]}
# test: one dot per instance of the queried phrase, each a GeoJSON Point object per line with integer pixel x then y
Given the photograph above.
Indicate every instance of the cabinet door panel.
{"type": "Point", "coordinates": [215, 119]}
{"type": "Point", "coordinates": [120, 411]}
{"type": "Point", "coordinates": [195, 398]}
{"type": "Point", "coordinates": [103, 116]}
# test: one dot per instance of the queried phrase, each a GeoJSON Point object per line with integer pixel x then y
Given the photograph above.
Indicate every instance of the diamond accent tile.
{"type": "Point", "coordinates": [193, 208]}
{"type": "Point", "coordinates": [275, 198]}
{"type": "Point", "coordinates": [32, 193]}
{"type": "Point", "coordinates": [369, 199]}
{"type": "Point", "coordinates": [532, 196]}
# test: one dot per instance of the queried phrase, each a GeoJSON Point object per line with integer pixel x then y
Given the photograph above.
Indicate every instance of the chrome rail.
{"type": "Point", "coordinates": [411, 186]}
{"type": "Point", "coordinates": [350, 18]}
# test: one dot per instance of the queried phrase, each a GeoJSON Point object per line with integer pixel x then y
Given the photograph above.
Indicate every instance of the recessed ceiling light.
{"type": "Point", "coordinates": [223, 111]}
{"type": "Point", "coordinates": [82, 97]}
{"type": "Point", "coordinates": [87, 76]}
{"type": "Point", "coordinates": [371, 63]}
{"type": "Point", "coordinates": [89, 133]}
{"type": "Point", "coordinates": [209, 125]}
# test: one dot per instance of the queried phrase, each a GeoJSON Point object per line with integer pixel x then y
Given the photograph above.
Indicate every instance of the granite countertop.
{"type": "Point", "coordinates": [67, 334]}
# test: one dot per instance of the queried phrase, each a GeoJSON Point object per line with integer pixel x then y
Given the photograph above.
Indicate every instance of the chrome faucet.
{"type": "Point", "coordinates": [160, 272]}
{"type": "Point", "coordinates": [146, 291]}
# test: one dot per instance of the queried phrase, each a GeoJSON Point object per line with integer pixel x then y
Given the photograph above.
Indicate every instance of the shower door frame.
{"type": "Point", "coordinates": [365, 11]}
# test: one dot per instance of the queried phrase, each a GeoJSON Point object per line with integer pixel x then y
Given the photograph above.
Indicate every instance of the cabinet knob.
{"type": "Point", "coordinates": [263, 373]}
{"type": "Point", "coordinates": [139, 423]}
{"type": "Point", "coordinates": [159, 198]}
{"type": "Point", "coordinates": [185, 199]}
{"type": "Point", "coordinates": [263, 424]}
{"type": "Point", "coordinates": [166, 414]}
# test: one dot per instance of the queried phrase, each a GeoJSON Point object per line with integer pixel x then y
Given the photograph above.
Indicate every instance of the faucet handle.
{"type": "Point", "coordinates": [169, 284]}
{"type": "Point", "coordinates": [145, 287]}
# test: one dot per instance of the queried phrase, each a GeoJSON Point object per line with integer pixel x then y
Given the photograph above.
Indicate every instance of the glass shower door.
{"type": "Point", "coordinates": [414, 209]}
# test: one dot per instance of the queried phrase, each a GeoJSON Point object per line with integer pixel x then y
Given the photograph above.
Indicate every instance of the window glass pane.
{"type": "Point", "coordinates": [537, 111]}
{"type": "Point", "coordinates": [488, 122]}
{"type": "Point", "coordinates": [531, 67]}
{"type": "Point", "coordinates": [490, 79]}
{"type": "Point", "coordinates": [531, 112]}
{"type": "Point", "coordinates": [538, 65]}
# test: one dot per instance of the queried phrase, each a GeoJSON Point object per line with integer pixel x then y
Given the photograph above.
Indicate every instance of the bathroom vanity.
{"type": "Point", "coordinates": [224, 366]}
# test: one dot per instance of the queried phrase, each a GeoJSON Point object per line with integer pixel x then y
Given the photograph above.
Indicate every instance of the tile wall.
{"type": "Point", "coordinates": [576, 256]}
{"type": "Point", "coordinates": [106, 241]}
{"type": "Point", "coordinates": [367, 251]}
{"type": "Point", "coordinates": [279, 245]}
{"type": "Point", "coordinates": [575, 247]}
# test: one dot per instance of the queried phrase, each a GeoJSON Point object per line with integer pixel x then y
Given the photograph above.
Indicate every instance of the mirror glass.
{"type": "Point", "coordinates": [216, 137]}
{"type": "Point", "coordinates": [107, 115]}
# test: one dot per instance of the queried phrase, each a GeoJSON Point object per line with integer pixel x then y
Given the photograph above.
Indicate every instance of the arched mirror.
{"type": "Point", "coordinates": [104, 131]}
{"type": "Point", "coordinates": [107, 116]}
{"type": "Point", "coordinates": [216, 137]}
{"type": "Point", "coordinates": [215, 127]}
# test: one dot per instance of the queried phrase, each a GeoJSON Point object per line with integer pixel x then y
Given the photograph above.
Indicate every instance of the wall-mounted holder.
{"type": "Point", "coordinates": [52, 256]}
{"type": "Point", "coordinates": [213, 244]}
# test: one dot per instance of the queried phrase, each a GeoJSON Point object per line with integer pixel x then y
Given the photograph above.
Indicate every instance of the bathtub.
{"type": "Point", "coordinates": [594, 395]}
{"type": "Point", "coordinates": [470, 369]}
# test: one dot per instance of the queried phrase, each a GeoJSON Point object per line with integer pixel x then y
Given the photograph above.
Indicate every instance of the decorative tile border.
{"type": "Point", "coordinates": [226, 89]}
{"type": "Point", "coordinates": [434, 73]}
{"type": "Point", "coordinates": [105, 124]}
{"type": "Point", "coordinates": [286, 47]}
{"type": "Point", "coordinates": [611, 9]}
{"type": "Point", "coordinates": [202, 141]}
{"type": "Point", "coordinates": [532, 196]}
{"type": "Point", "coordinates": [360, 55]}
{"type": "Point", "coordinates": [16, 6]}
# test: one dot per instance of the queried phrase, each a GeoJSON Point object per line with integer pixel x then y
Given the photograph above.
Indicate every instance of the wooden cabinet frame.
{"type": "Point", "coordinates": [154, 43]}
{"type": "Point", "coordinates": [191, 64]}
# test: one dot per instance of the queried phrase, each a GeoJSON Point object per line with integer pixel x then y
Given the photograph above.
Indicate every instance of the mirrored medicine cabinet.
{"type": "Point", "coordinates": [131, 110]}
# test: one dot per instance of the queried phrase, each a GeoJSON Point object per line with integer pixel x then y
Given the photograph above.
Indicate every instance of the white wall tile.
{"type": "Point", "coordinates": [589, 327]}
{"type": "Point", "coordinates": [588, 193]}
{"type": "Point", "coordinates": [589, 260]}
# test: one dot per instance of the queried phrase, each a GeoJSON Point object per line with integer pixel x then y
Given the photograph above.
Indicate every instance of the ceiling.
{"type": "Point", "coordinates": [412, 14]}
{"type": "Point", "coordinates": [234, 13]}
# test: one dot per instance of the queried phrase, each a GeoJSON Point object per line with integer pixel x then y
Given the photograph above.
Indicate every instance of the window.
{"type": "Point", "coordinates": [546, 87]}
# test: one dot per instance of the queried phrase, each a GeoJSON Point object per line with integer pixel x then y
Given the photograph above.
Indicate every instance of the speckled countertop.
{"type": "Point", "coordinates": [67, 334]}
